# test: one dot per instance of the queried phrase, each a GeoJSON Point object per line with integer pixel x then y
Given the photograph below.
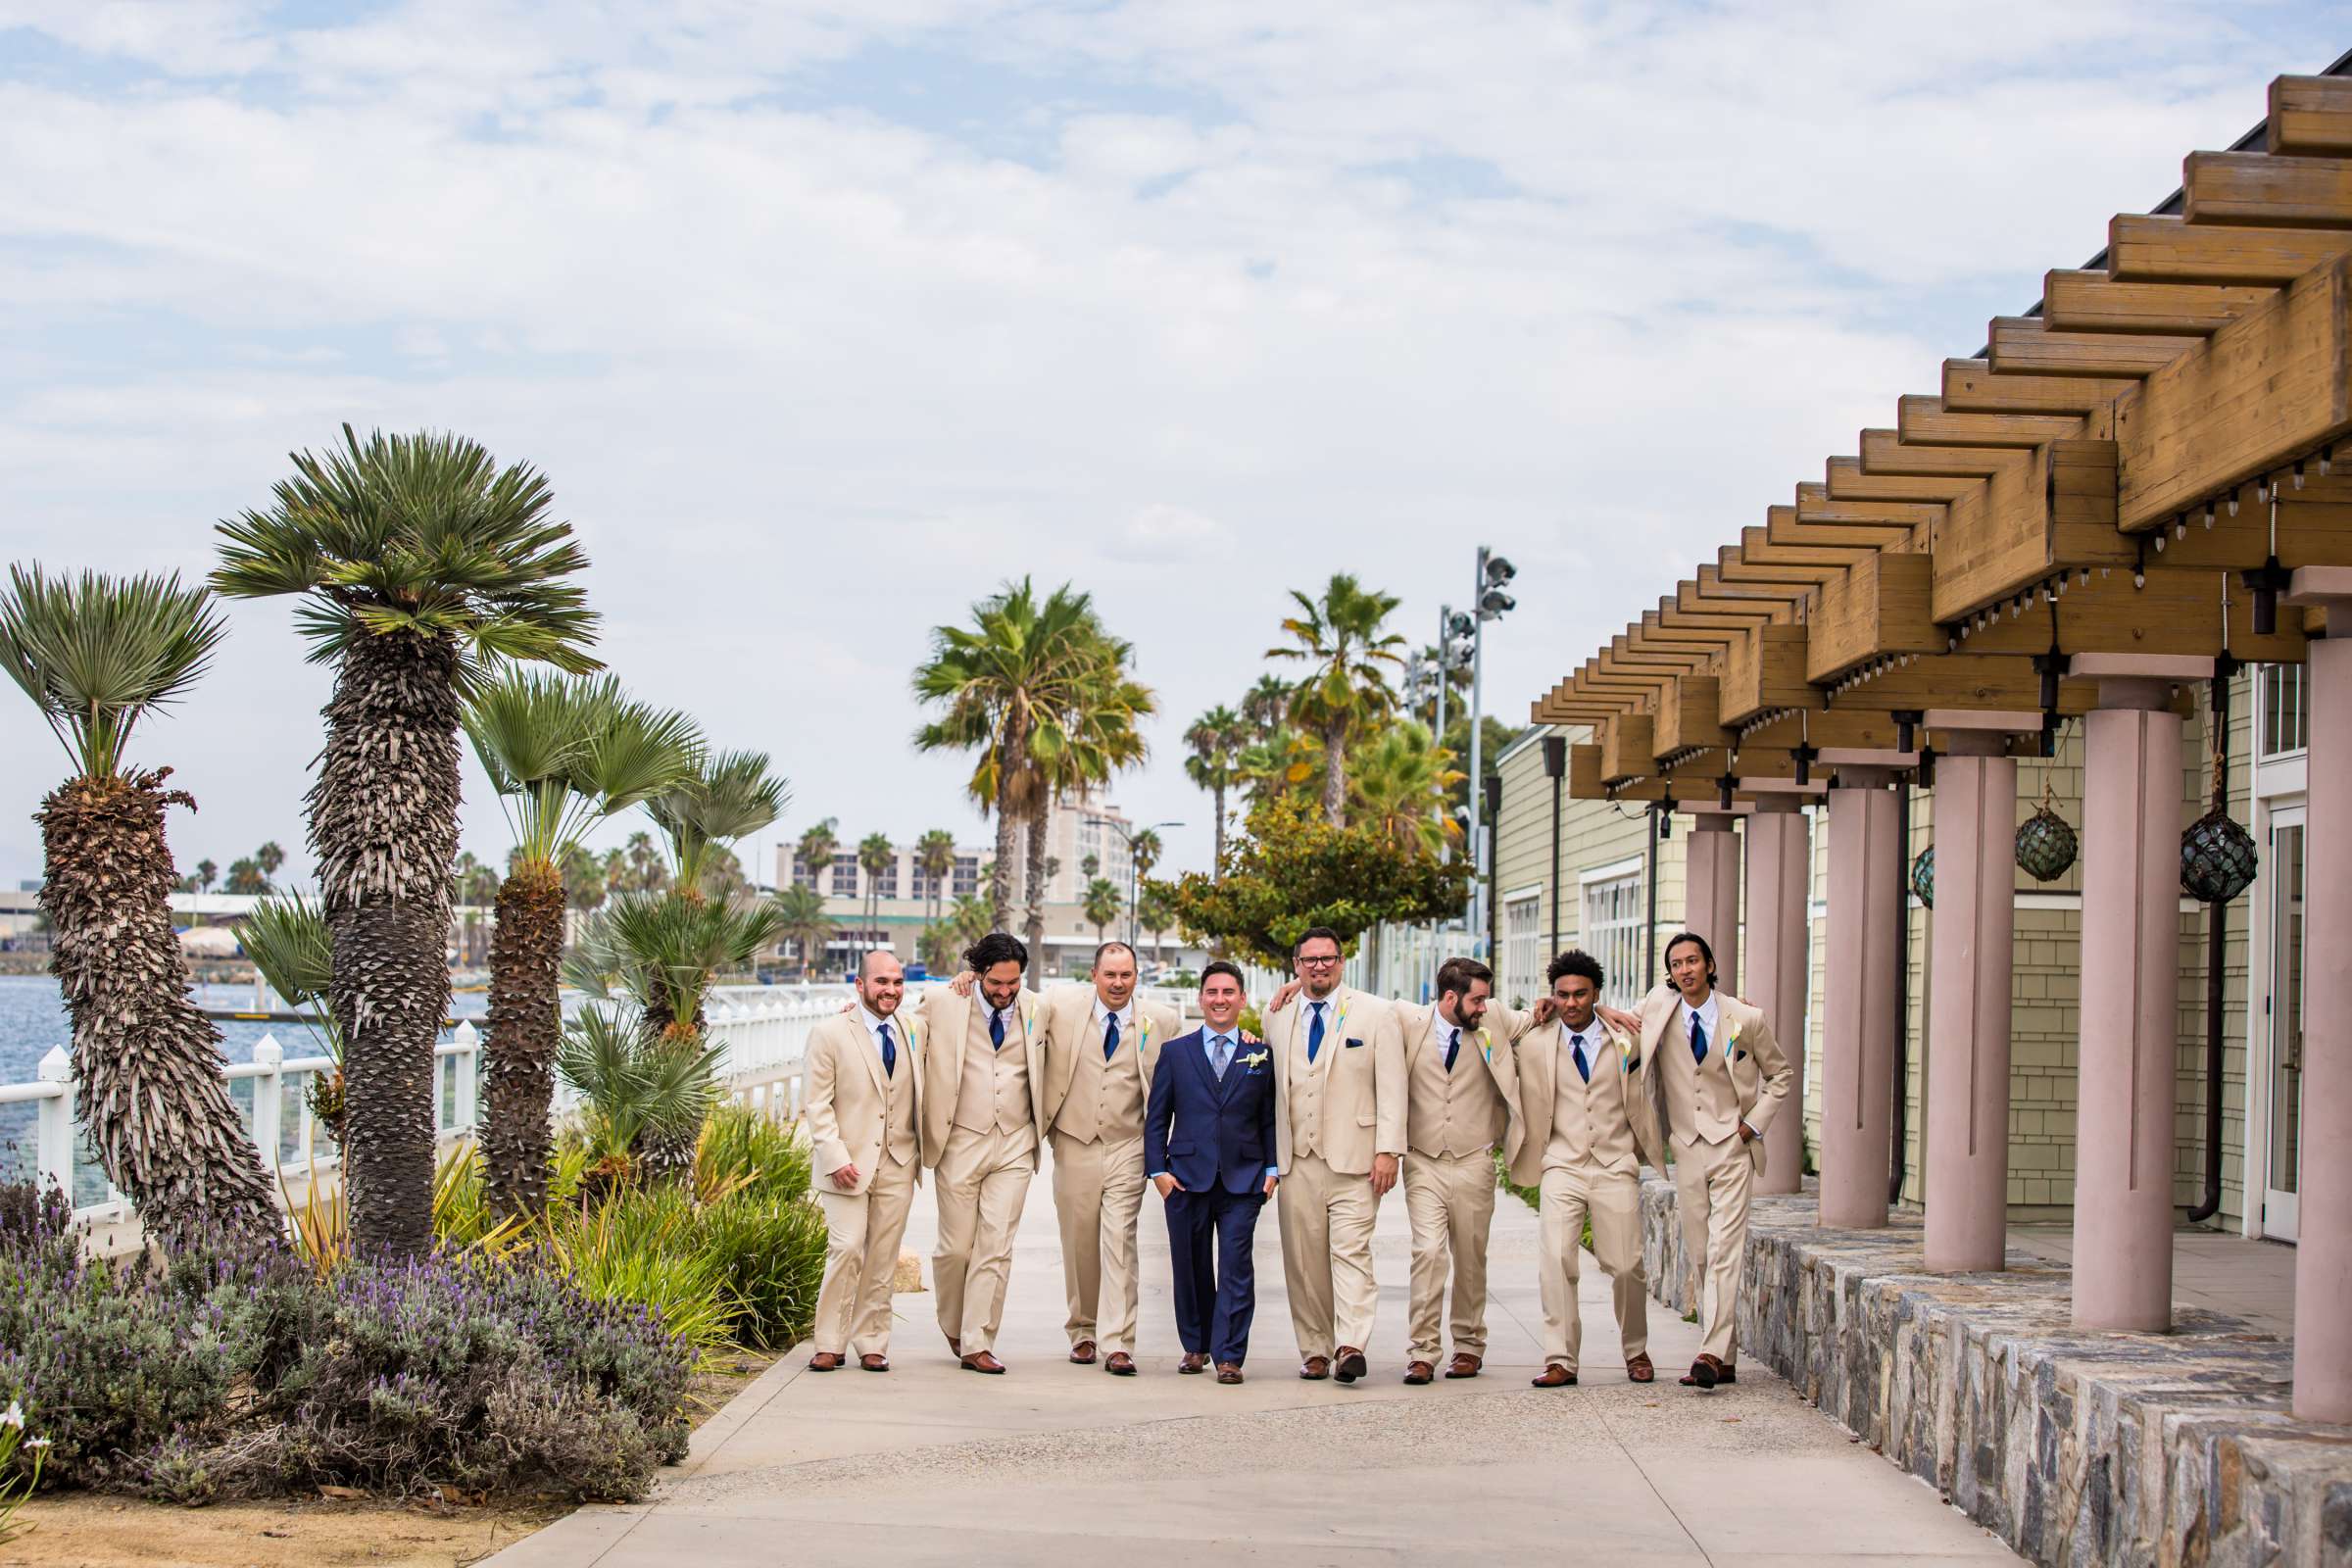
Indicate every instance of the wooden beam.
{"type": "Point", "coordinates": [2022, 345]}
{"type": "Point", "coordinates": [1970, 386]}
{"type": "Point", "coordinates": [1847, 482]}
{"type": "Point", "coordinates": [1883, 452]}
{"type": "Point", "coordinates": [1849, 728]}
{"type": "Point", "coordinates": [1624, 654]}
{"type": "Point", "coordinates": [1674, 627]}
{"type": "Point", "coordinates": [1923, 422]}
{"type": "Point", "coordinates": [2152, 249]}
{"type": "Point", "coordinates": [2175, 612]}
{"type": "Point", "coordinates": [1627, 747]}
{"type": "Point", "coordinates": [1691, 606]}
{"type": "Point", "coordinates": [2265, 390]}
{"type": "Point", "coordinates": [1878, 607]}
{"type": "Point", "coordinates": [2310, 117]}
{"type": "Point", "coordinates": [2257, 188]}
{"type": "Point", "coordinates": [2094, 302]}
{"type": "Point", "coordinates": [1651, 632]}
{"type": "Point", "coordinates": [1782, 568]}
{"type": "Point", "coordinates": [1586, 783]}
{"type": "Point", "coordinates": [2055, 514]}
{"type": "Point", "coordinates": [1765, 672]}
{"type": "Point", "coordinates": [1978, 682]}
{"type": "Point", "coordinates": [1688, 717]}
{"type": "Point", "coordinates": [1708, 593]}
{"type": "Point", "coordinates": [1786, 525]}
{"type": "Point", "coordinates": [1814, 504]}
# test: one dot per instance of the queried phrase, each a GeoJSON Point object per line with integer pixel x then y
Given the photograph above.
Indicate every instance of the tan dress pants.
{"type": "Point", "coordinates": [1612, 1201]}
{"type": "Point", "coordinates": [1711, 1182]}
{"type": "Point", "coordinates": [1327, 1256]}
{"type": "Point", "coordinates": [983, 1181]}
{"type": "Point", "coordinates": [1098, 1194]}
{"type": "Point", "coordinates": [861, 1259]}
{"type": "Point", "coordinates": [1451, 1202]}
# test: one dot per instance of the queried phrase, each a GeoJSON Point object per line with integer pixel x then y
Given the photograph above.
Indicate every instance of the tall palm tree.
{"type": "Point", "coordinates": [1102, 738]}
{"type": "Point", "coordinates": [804, 923]}
{"type": "Point", "coordinates": [935, 854]}
{"type": "Point", "coordinates": [1397, 787]}
{"type": "Point", "coordinates": [1143, 852]}
{"type": "Point", "coordinates": [563, 753]}
{"type": "Point", "coordinates": [1215, 743]}
{"type": "Point", "coordinates": [418, 557]}
{"type": "Point", "coordinates": [1266, 706]}
{"type": "Point", "coordinates": [816, 848]}
{"type": "Point", "coordinates": [207, 873]}
{"type": "Point", "coordinates": [1286, 760]}
{"type": "Point", "coordinates": [647, 871]}
{"type": "Point", "coordinates": [270, 856]}
{"type": "Point", "coordinates": [875, 854]}
{"type": "Point", "coordinates": [288, 942]}
{"type": "Point", "coordinates": [1338, 637]}
{"type": "Point", "coordinates": [1100, 905]}
{"type": "Point", "coordinates": [97, 655]}
{"type": "Point", "coordinates": [1157, 911]}
{"type": "Point", "coordinates": [1012, 686]}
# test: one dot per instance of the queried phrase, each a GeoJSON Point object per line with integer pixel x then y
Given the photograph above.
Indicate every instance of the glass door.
{"type": "Point", "coordinates": [2283, 1168]}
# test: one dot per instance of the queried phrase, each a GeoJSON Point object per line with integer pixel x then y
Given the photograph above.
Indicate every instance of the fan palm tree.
{"type": "Point", "coordinates": [1100, 905]}
{"type": "Point", "coordinates": [1338, 637]}
{"type": "Point", "coordinates": [647, 871]}
{"type": "Point", "coordinates": [1266, 706]}
{"type": "Point", "coordinates": [725, 796]}
{"type": "Point", "coordinates": [1215, 743]}
{"type": "Point", "coordinates": [816, 848]}
{"type": "Point", "coordinates": [1155, 911]}
{"type": "Point", "coordinates": [935, 856]}
{"type": "Point", "coordinates": [803, 923]}
{"type": "Point", "coordinates": [1143, 852]}
{"type": "Point", "coordinates": [635, 1093]}
{"type": "Point", "coordinates": [563, 753]}
{"type": "Point", "coordinates": [270, 856]}
{"type": "Point", "coordinates": [97, 655]}
{"type": "Point", "coordinates": [1286, 760]}
{"type": "Point", "coordinates": [288, 942]}
{"type": "Point", "coordinates": [417, 559]}
{"type": "Point", "coordinates": [1396, 786]}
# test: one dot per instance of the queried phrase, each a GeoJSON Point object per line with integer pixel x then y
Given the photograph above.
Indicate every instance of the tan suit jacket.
{"type": "Point", "coordinates": [1745, 1079]}
{"type": "Point", "coordinates": [1419, 1024]}
{"type": "Point", "coordinates": [1363, 1086]}
{"type": "Point", "coordinates": [843, 1094]}
{"type": "Point", "coordinates": [1537, 1056]}
{"type": "Point", "coordinates": [1065, 1019]}
{"type": "Point", "coordinates": [946, 1022]}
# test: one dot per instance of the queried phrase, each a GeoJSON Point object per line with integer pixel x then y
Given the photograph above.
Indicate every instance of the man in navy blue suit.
{"type": "Point", "coordinates": [1208, 1147]}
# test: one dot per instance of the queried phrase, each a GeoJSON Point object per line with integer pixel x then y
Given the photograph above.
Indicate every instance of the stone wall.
{"type": "Point", "coordinates": [2077, 1448]}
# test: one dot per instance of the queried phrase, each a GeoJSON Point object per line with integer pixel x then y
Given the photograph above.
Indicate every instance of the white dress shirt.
{"type": "Point", "coordinates": [1125, 1015]}
{"type": "Point", "coordinates": [1709, 1018]}
{"type": "Point", "coordinates": [874, 1023]}
{"type": "Point", "coordinates": [1599, 1050]}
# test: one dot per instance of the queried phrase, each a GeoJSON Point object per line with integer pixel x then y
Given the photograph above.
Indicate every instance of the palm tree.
{"type": "Point", "coordinates": [818, 845]}
{"type": "Point", "coordinates": [1285, 760]}
{"type": "Point", "coordinates": [563, 753]}
{"type": "Point", "coordinates": [875, 856]}
{"type": "Point", "coordinates": [1090, 866]}
{"type": "Point", "coordinates": [725, 796]}
{"type": "Point", "coordinates": [1396, 787]}
{"type": "Point", "coordinates": [1012, 686]}
{"type": "Point", "coordinates": [1156, 913]}
{"type": "Point", "coordinates": [647, 871]}
{"type": "Point", "coordinates": [1266, 706]}
{"type": "Point", "coordinates": [1338, 637]}
{"type": "Point", "coordinates": [805, 924]}
{"type": "Point", "coordinates": [245, 877]}
{"type": "Point", "coordinates": [419, 557]}
{"type": "Point", "coordinates": [1100, 905]}
{"type": "Point", "coordinates": [1143, 852]}
{"type": "Point", "coordinates": [473, 885]}
{"type": "Point", "coordinates": [270, 858]}
{"type": "Point", "coordinates": [207, 873]}
{"type": "Point", "coordinates": [97, 655]}
{"type": "Point", "coordinates": [1104, 738]}
{"type": "Point", "coordinates": [288, 942]}
{"type": "Point", "coordinates": [935, 856]}
{"type": "Point", "coordinates": [1214, 742]}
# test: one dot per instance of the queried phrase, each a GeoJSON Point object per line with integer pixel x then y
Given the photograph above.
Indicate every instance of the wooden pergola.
{"type": "Point", "coordinates": [2135, 487]}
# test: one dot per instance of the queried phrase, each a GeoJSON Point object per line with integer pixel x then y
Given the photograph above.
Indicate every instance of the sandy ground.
{"type": "Point", "coordinates": [84, 1531]}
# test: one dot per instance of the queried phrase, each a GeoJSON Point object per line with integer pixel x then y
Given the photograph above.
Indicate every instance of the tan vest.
{"type": "Point", "coordinates": [1107, 1098]}
{"type": "Point", "coordinates": [1590, 1130]}
{"type": "Point", "coordinates": [898, 1100]}
{"type": "Point", "coordinates": [1455, 1114]}
{"type": "Point", "coordinates": [1305, 1092]}
{"type": "Point", "coordinates": [994, 1091]}
{"type": "Point", "coordinates": [1702, 1104]}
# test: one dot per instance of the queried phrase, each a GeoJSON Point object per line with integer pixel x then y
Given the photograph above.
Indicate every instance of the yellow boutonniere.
{"type": "Point", "coordinates": [1486, 1043]}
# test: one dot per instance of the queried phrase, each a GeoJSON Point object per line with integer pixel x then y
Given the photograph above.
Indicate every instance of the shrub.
{"type": "Point", "coordinates": [743, 1148]}
{"type": "Point", "coordinates": [773, 1251]}
{"type": "Point", "coordinates": [642, 1245]}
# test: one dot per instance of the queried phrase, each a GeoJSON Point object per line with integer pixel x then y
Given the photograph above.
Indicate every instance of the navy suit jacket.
{"type": "Point", "coordinates": [1205, 1132]}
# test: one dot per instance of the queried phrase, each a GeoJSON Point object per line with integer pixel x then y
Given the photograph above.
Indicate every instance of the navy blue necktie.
{"type": "Point", "coordinates": [1110, 1035]}
{"type": "Point", "coordinates": [1454, 1048]}
{"type": "Point", "coordinates": [996, 1029]}
{"type": "Point", "coordinates": [1584, 1070]}
{"type": "Point", "coordinates": [1698, 1039]}
{"type": "Point", "coordinates": [890, 1053]}
{"type": "Point", "coordinates": [1314, 1032]}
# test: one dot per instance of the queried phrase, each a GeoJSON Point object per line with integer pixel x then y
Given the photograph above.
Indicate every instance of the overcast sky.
{"type": "Point", "coordinates": [825, 319]}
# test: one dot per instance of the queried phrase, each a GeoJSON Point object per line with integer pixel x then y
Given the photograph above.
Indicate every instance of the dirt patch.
{"type": "Point", "coordinates": [80, 1530]}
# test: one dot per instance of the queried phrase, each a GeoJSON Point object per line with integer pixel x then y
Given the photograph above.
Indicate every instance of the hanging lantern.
{"type": "Point", "coordinates": [1922, 876]}
{"type": "Point", "coordinates": [2045, 844]}
{"type": "Point", "coordinates": [2217, 858]}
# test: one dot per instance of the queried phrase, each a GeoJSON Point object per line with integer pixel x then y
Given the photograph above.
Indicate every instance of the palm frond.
{"type": "Point", "coordinates": [96, 653]}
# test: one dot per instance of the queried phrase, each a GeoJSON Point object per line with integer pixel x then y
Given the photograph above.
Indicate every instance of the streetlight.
{"type": "Point", "coordinates": [1129, 839]}
{"type": "Point", "coordinates": [1494, 572]}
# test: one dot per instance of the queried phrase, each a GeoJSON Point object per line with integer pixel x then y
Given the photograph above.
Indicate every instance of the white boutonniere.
{"type": "Point", "coordinates": [1254, 1059]}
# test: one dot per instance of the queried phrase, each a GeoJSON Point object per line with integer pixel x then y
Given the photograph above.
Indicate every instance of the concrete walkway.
{"type": "Point", "coordinates": [1055, 1464]}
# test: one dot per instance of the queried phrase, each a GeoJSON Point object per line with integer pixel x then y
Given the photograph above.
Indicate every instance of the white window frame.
{"type": "Point", "coordinates": [1522, 944]}
{"type": "Point", "coordinates": [1614, 938]}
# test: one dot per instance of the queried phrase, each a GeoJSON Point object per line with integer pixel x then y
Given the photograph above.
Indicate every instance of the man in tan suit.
{"type": "Point", "coordinates": [983, 1122]}
{"type": "Point", "coordinates": [863, 1077]}
{"type": "Point", "coordinates": [1720, 1078]}
{"type": "Point", "coordinates": [1100, 1045]}
{"type": "Point", "coordinates": [1339, 1133]}
{"type": "Point", "coordinates": [1585, 1123]}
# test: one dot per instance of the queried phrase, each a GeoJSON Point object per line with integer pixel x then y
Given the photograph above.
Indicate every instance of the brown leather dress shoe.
{"type": "Point", "coordinates": [983, 1361]}
{"type": "Point", "coordinates": [1464, 1365]}
{"type": "Point", "coordinates": [1083, 1352]}
{"type": "Point", "coordinates": [873, 1364]}
{"type": "Point", "coordinates": [1315, 1368]}
{"type": "Point", "coordinates": [825, 1362]}
{"type": "Point", "coordinates": [1640, 1370]}
{"type": "Point", "coordinates": [1350, 1365]}
{"type": "Point", "coordinates": [1704, 1373]}
{"type": "Point", "coordinates": [1555, 1376]}
{"type": "Point", "coordinates": [1194, 1361]}
{"type": "Point", "coordinates": [1726, 1375]}
{"type": "Point", "coordinates": [955, 1347]}
{"type": "Point", "coordinates": [1229, 1372]}
{"type": "Point", "coordinates": [1119, 1364]}
{"type": "Point", "coordinates": [1419, 1372]}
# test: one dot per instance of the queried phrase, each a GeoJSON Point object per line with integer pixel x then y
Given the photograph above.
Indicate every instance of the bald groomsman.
{"type": "Point", "coordinates": [983, 1122]}
{"type": "Point", "coordinates": [1339, 1130]}
{"type": "Point", "coordinates": [863, 1077]}
{"type": "Point", "coordinates": [1101, 1044]}
{"type": "Point", "coordinates": [1720, 1078]}
{"type": "Point", "coordinates": [1585, 1123]}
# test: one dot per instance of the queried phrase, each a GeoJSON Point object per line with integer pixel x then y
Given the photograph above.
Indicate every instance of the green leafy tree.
{"type": "Point", "coordinates": [1212, 762]}
{"type": "Point", "coordinates": [1293, 870]}
{"type": "Point", "coordinates": [1155, 911]}
{"type": "Point", "coordinates": [1396, 787]}
{"type": "Point", "coordinates": [417, 559]}
{"type": "Point", "coordinates": [1287, 762]}
{"type": "Point", "coordinates": [1090, 866]}
{"type": "Point", "coordinates": [245, 876]}
{"type": "Point", "coordinates": [1339, 638]}
{"type": "Point", "coordinates": [1101, 904]}
{"type": "Point", "coordinates": [207, 873]}
{"type": "Point", "coordinates": [98, 655]}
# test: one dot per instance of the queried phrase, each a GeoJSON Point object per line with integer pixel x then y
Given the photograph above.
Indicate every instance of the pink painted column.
{"type": "Point", "coordinates": [1711, 892]}
{"type": "Point", "coordinates": [1779, 873]}
{"type": "Point", "coordinates": [1968, 1013]}
{"type": "Point", "coordinates": [1857, 1043]}
{"type": "Point", "coordinates": [2323, 1252]}
{"type": "Point", "coordinates": [2130, 1031]}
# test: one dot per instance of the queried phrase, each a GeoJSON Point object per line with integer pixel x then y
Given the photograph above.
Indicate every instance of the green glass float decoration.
{"type": "Point", "coordinates": [2218, 858]}
{"type": "Point", "coordinates": [2046, 846]}
{"type": "Point", "coordinates": [1922, 876]}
